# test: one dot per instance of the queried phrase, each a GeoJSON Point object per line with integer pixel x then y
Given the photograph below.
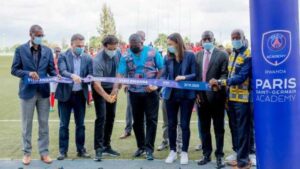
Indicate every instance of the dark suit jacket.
{"type": "Point", "coordinates": [66, 69]}
{"type": "Point", "coordinates": [217, 69]}
{"type": "Point", "coordinates": [188, 70]}
{"type": "Point", "coordinates": [23, 63]}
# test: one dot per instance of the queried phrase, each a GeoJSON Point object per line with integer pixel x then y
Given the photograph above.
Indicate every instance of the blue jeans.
{"type": "Point", "coordinates": [186, 107]}
{"type": "Point", "coordinates": [77, 103]}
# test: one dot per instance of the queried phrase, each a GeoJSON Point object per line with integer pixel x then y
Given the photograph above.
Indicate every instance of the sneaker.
{"type": "Point", "coordinates": [253, 159]}
{"type": "Point", "coordinates": [83, 154]}
{"type": "Point", "coordinates": [110, 152]}
{"type": "Point", "coordinates": [125, 135]}
{"type": "Point", "coordinates": [171, 157]}
{"type": "Point", "coordinates": [98, 155]}
{"type": "Point", "coordinates": [149, 156]}
{"type": "Point", "coordinates": [184, 159]}
{"type": "Point", "coordinates": [52, 109]}
{"type": "Point", "coordinates": [164, 145]}
{"type": "Point", "coordinates": [231, 157]}
{"type": "Point", "coordinates": [198, 147]}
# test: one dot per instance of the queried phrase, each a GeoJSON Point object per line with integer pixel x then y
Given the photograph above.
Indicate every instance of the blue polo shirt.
{"type": "Point", "coordinates": [145, 66]}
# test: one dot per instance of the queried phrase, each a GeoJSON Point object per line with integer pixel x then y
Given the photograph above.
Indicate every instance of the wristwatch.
{"type": "Point", "coordinates": [222, 82]}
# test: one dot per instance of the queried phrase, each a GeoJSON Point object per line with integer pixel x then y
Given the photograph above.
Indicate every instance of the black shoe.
{"type": "Point", "coordinates": [62, 156]}
{"type": "Point", "coordinates": [220, 163]}
{"type": "Point", "coordinates": [83, 154]}
{"type": "Point", "coordinates": [204, 161]}
{"type": "Point", "coordinates": [149, 156]}
{"type": "Point", "coordinates": [139, 153]}
{"type": "Point", "coordinates": [98, 155]}
{"type": "Point", "coordinates": [111, 152]}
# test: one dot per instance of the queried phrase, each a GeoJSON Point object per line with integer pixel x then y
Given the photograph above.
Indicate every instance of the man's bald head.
{"type": "Point", "coordinates": [142, 34]}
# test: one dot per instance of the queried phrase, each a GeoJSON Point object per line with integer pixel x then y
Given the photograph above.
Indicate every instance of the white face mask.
{"type": "Point", "coordinates": [110, 53]}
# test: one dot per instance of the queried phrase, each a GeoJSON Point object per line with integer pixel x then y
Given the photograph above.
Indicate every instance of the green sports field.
{"type": "Point", "coordinates": [10, 125]}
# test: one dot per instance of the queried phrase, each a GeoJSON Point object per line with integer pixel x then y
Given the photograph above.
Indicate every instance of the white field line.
{"type": "Point", "coordinates": [87, 121]}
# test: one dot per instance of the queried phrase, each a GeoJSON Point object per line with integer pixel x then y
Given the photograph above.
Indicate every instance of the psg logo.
{"type": "Point", "coordinates": [276, 46]}
{"type": "Point", "coordinates": [277, 42]}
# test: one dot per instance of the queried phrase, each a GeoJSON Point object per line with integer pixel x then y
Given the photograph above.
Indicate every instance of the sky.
{"type": "Point", "coordinates": [62, 18]}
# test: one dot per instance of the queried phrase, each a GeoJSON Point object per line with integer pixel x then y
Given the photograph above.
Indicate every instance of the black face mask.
{"type": "Point", "coordinates": [135, 50]}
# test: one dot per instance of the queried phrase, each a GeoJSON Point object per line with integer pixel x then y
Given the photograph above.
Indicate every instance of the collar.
{"type": "Point", "coordinates": [74, 55]}
{"type": "Point", "coordinates": [31, 45]}
{"type": "Point", "coordinates": [241, 50]}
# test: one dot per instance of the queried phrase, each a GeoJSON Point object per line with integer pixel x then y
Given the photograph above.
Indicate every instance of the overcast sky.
{"type": "Point", "coordinates": [62, 18]}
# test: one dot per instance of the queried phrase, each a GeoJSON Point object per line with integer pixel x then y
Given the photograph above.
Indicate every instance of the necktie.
{"type": "Point", "coordinates": [205, 66]}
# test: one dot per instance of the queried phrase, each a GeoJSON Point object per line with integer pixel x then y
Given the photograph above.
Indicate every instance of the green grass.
{"type": "Point", "coordinates": [10, 132]}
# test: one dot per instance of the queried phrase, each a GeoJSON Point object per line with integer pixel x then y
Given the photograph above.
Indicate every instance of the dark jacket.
{"type": "Point", "coordinates": [23, 64]}
{"type": "Point", "coordinates": [188, 69]}
{"type": "Point", "coordinates": [217, 69]}
{"type": "Point", "coordinates": [66, 69]}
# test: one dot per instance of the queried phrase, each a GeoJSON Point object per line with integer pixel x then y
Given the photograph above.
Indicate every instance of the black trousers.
{"type": "Point", "coordinates": [105, 116]}
{"type": "Point", "coordinates": [145, 105]}
{"type": "Point", "coordinates": [240, 123]}
{"type": "Point", "coordinates": [185, 106]}
{"type": "Point", "coordinates": [77, 103]}
{"type": "Point", "coordinates": [208, 112]}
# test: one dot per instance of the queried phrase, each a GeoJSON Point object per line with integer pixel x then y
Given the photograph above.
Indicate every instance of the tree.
{"type": "Point", "coordinates": [107, 22]}
{"type": "Point", "coordinates": [186, 40]}
{"type": "Point", "coordinates": [95, 42]}
{"type": "Point", "coordinates": [161, 41]}
{"type": "Point", "coordinates": [64, 44]}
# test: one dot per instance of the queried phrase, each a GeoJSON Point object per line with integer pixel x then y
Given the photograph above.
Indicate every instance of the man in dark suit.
{"type": "Point", "coordinates": [74, 64]}
{"type": "Point", "coordinates": [34, 60]}
{"type": "Point", "coordinates": [211, 63]}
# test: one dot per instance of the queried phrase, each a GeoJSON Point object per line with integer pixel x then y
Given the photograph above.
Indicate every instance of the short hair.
{"type": "Point", "coordinates": [135, 37]}
{"type": "Point", "coordinates": [110, 40]}
{"type": "Point", "coordinates": [77, 36]}
{"type": "Point", "coordinates": [240, 32]}
{"type": "Point", "coordinates": [142, 34]}
{"type": "Point", "coordinates": [35, 28]}
{"type": "Point", "coordinates": [208, 34]}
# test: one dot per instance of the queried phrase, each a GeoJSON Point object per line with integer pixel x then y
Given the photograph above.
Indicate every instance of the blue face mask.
{"type": "Point", "coordinates": [208, 45]}
{"type": "Point", "coordinates": [172, 49]}
{"type": "Point", "coordinates": [79, 51]}
{"type": "Point", "coordinates": [37, 40]}
{"type": "Point", "coordinates": [110, 53]}
{"type": "Point", "coordinates": [237, 44]}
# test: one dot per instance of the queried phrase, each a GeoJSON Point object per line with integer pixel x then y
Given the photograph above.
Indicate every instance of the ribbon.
{"type": "Point", "coordinates": [187, 85]}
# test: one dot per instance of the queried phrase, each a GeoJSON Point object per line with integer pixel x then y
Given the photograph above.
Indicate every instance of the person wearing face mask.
{"type": "Point", "coordinates": [143, 63]}
{"type": "Point", "coordinates": [179, 65]}
{"type": "Point", "coordinates": [239, 98]}
{"type": "Point", "coordinates": [212, 64]}
{"type": "Point", "coordinates": [105, 65]}
{"type": "Point", "coordinates": [34, 60]}
{"type": "Point", "coordinates": [74, 64]}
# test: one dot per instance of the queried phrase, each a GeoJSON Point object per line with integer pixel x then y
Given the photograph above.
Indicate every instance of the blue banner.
{"type": "Point", "coordinates": [187, 85]}
{"type": "Point", "coordinates": [276, 71]}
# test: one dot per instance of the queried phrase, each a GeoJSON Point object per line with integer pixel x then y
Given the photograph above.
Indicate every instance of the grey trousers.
{"type": "Point", "coordinates": [165, 125]}
{"type": "Point", "coordinates": [42, 106]}
{"type": "Point", "coordinates": [128, 126]}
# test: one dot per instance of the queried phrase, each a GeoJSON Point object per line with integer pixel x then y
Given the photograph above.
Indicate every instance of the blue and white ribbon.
{"type": "Point", "coordinates": [187, 85]}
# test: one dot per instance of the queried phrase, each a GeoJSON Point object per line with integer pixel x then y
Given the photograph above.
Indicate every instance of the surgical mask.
{"type": "Point", "coordinates": [79, 51]}
{"type": "Point", "coordinates": [135, 50]}
{"type": "Point", "coordinates": [237, 44]}
{"type": "Point", "coordinates": [172, 49]}
{"type": "Point", "coordinates": [208, 45]}
{"type": "Point", "coordinates": [110, 53]}
{"type": "Point", "coordinates": [37, 40]}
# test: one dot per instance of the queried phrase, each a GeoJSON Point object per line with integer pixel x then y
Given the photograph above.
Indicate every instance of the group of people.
{"type": "Point", "coordinates": [228, 76]}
